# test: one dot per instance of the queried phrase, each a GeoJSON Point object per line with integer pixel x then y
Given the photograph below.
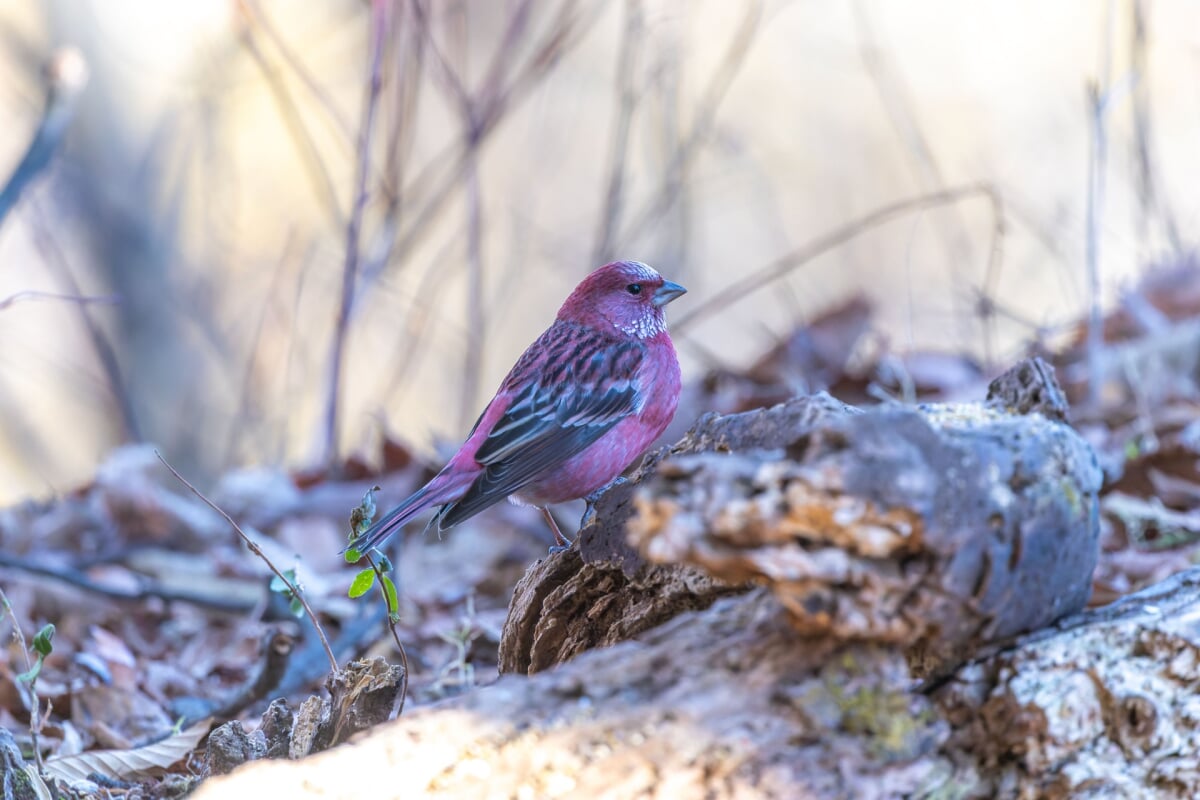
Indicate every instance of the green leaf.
{"type": "Point", "coordinates": [41, 642]}
{"type": "Point", "coordinates": [389, 591]}
{"type": "Point", "coordinates": [280, 586]}
{"type": "Point", "coordinates": [34, 671]}
{"type": "Point", "coordinates": [352, 556]}
{"type": "Point", "coordinates": [362, 583]}
{"type": "Point", "coordinates": [296, 607]}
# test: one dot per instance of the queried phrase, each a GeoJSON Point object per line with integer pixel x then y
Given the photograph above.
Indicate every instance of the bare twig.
{"type": "Point", "coordinates": [410, 338]}
{"type": "Point", "coordinates": [627, 96]}
{"type": "Point", "coordinates": [984, 298]}
{"type": "Point", "coordinates": [783, 265]}
{"type": "Point", "coordinates": [1098, 94]}
{"type": "Point", "coordinates": [1150, 200]}
{"type": "Point", "coordinates": [460, 637]}
{"type": "Point", "coordinates": [13, 299]}
{"type": "Point", "coordinates": [476, 323]}
{"type": "Point", "coordinates": [436, 183]}
{"type": "Point", "coordinates": [399, 111]}
{"type": "Point", "coordinates": [35, 710]}
{"type": "Point", "coordinates": [473, 110]}
{"type": "Point", "coordinates": [249, 392]}
{"type": "Point", "coordinates": [253, 13]}
{"type": "Point", "coordinates": [66, 76]}
{"type": "Point", "coordinates": [444, 72]}
{"type": "Point", "coordinates": [898, 104]}
{"type": "Point", "coordinates": [706, 113]}
{"type": "Point", "coordinates": [379, 14]}
{"type": "Point", "coordinates": [314, 164]}
{"type": "Point", "coordinates": [408, 66]}
{"type": "Point", "coordinates": [57, 260]}
{"type": "Point", "coordinates": [256, 550]}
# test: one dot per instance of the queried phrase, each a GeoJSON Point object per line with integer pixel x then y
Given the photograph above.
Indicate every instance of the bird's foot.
{"type": "Point", "coordinates": [594, 496]}
{"type": "Point", "coordinates": [560, 542]}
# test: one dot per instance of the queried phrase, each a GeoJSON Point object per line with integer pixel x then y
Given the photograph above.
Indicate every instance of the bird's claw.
{"type": "Point", "coordinates": [559, 548]}
{"type": "Point", "coordinates": [595, 496]}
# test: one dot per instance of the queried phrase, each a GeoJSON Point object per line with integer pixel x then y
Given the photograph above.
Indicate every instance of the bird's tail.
{"type": "Point", "coordinates": [444, 488]}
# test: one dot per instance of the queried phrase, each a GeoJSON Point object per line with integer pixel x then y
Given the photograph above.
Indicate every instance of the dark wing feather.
{"type": "Point", "coordinates": [559, 412]}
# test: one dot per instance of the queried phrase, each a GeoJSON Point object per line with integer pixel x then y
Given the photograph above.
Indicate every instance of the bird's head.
{"type": "Point", "coordinates": [627, 296]}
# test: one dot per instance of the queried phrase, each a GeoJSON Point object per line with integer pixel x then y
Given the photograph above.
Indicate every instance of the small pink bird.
{"type": "Point", "coordinates": [585, 400]}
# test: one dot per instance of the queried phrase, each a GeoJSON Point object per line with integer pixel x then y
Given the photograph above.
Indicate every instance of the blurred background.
{"type": "Point", "coordinates": [274, 232]}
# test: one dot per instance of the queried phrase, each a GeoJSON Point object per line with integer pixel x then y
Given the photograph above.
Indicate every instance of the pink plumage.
{"type": "Point", "coordinates": [579, 406]}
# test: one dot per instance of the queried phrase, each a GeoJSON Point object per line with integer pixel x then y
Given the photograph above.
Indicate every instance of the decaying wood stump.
{"type": "Point", "coordinates": [601, 591]}
{"type": "Point", "coordinates": [939, 528]}
{"type": "Point", "coordinates": [361, 695]}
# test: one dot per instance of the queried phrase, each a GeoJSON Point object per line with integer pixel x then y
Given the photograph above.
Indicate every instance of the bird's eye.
{"type": "Point", "coordinates": [634, 288]}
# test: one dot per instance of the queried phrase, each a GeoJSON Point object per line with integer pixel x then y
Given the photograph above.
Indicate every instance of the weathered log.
{"type": "Point", "coordinates": [1102, 705]}
{"type": "Point", "coordinates": [939, 528]}
{"type": "Point", "coordinates": [602, 591]}
{"type": "Point", "coordinates": [881, 543]}
{"type": "Point", "coordinates": [730, 702]}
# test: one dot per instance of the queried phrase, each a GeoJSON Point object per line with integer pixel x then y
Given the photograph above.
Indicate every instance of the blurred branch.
{"type": "Point", "coordinates": [409, 68]}
{"type": "Point", "coordinates": [445, 74]}
{"type": "Point", "coordinates": [142, 589]}
{"type": "Point", "coordinates": [66, 76]}
{"type": "Point", "coordinates": [13, 299]}
{"type": "Point", "coordinates": [473, 354]}
{"type": "Point", "coordinates": [627, 95]}
{"type": "Point", "coordinates": [379, 17]}
{"type": "Point", "coordinates": [250, 394]}
{"type": "Point", "coordinates": [1098, 96]}
{"type": "Point", "coordinates": [400, 107]}
{"type": "Point", "coordinates": [410, 340]}
{"type": "Point", "coordinates": [452, 84]}
{"type": "Point", "coordinates": [433, 187]}
{"type": "Point", "coordinates": [782, 266]}
{"type": "Point", "coordinates": [56, 260]}
{"type": "Point", "coordinates": [1146, 174]}
{"type": "Point", "coordinates": [706, 113]}
{"type": "Point", "coordinates": [256, 16]}
{"type": "Point", "coordinates": [898, 104]}
{"type": "Point", "coordinates": [480, 112]}
{"type": "Point", "coordinates": [314, 165]}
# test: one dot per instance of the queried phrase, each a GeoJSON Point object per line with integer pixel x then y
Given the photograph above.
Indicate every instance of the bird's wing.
{"type": "Point", "coordinates": [584, 387]}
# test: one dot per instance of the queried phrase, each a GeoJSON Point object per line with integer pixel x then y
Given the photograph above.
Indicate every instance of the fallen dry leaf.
{"type": "Point", "coordinates": [139, 762]}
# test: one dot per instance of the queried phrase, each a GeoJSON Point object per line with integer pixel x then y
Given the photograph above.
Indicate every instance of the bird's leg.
{"type": "Point", "coordinates": [560, 542]}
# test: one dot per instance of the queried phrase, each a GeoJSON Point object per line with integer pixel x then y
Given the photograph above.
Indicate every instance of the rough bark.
{"type": "Point", "coordinates": [939, 528]}
{"type": "Point", "coordinates": [1103, 705]}
{"type": "Point", "coordinates": [730, 702]}
{"type": "Point", "coordinates": [602, 591]}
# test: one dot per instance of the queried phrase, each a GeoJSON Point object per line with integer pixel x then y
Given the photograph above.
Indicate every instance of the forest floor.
{"type": "Point", "coordinates": [165, 624]}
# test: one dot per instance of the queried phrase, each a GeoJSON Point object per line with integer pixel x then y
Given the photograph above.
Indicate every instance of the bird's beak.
{"type": "Point", "coordinates": [667, 292]}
